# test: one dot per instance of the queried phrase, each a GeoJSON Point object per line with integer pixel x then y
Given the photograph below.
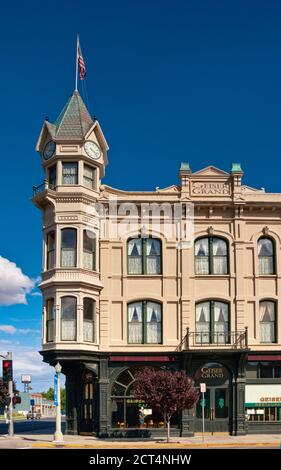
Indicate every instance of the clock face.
{"type": "Point", "coordinates": [49, 150]}
{"type": "Point", "coordinates": [92, 149]}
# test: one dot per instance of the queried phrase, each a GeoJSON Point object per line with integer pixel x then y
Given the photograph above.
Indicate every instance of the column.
{"type": "Point", "coordinates": [103, 396]}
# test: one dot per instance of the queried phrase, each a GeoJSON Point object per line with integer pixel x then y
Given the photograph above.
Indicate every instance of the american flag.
{"type": "Point", "coordinates": [81, 63]}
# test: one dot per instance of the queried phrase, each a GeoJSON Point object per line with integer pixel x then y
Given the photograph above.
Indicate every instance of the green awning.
{"type": "Point", "coordinates": [263, 405]}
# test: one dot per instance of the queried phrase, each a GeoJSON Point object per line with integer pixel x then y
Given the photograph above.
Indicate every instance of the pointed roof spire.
{"type": "Point", "coordinates": [74, 120]}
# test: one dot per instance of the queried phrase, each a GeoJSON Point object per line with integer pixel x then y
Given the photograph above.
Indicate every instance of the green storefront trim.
{"type": "Point", "coordinates": [263, 405]}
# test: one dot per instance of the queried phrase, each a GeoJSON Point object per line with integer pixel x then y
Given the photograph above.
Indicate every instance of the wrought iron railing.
{"type": "Point", "coordinates": [43, 187]}
{"type": "Point", "coordinates": [231, 339]}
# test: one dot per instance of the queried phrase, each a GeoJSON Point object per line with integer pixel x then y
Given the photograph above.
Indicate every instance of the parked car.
{"type": "Point", "coordinates": [33, 415]}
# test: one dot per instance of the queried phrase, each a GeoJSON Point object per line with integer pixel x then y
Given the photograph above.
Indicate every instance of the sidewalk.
{"type": "Point", "coordinates": [44, 441]}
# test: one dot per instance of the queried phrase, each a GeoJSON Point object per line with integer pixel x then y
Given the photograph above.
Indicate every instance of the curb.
{"type": "Point", "coordinates": [155, 446]}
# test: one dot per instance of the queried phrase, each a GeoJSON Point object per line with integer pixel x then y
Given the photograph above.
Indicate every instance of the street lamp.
{"type": "Point", "coordinates": [58, 438]}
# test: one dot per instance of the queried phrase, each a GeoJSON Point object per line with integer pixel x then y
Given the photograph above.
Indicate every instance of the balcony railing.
{"type": "Point", "coordinates": [43, 187]}
{"type": "Point", "coordinates": [229, 340]}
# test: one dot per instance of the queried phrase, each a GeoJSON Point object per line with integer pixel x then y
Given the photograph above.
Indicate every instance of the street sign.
{"type": "Point", "coordinates": [32, 402]}
{"type": "Point", "coordinates": [56, 389]}
{"type": "Point", "coordinates": [26, 379]}
{"type": "Point", "coordinates": [203, 388]}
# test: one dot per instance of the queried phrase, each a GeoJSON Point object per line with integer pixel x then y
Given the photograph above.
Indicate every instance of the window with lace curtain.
{"type": "Point", "coordinates": [145, 322]}
{"type": "Point", "coordinates": [144, 256]}
{"type": "Point", "coordinates": [68, 247]}
{"type": "Point", "coordinates": [50, 320]}
{"type": "Point", "coordinates": [266, 256]}
{"type": "Point", "coordinates": [68, 318]}
{"type": "Point", "coordinates": [70, 173]}
{"type": "Point", "coordinates": [89, 320]}
{"type": "Point", "coordinates": [51, 249]}
{"type": "Point", "coordinates": [89, 250]}
{"type": "Point", "coordinates": [211, 256]}
{"type": "Point", "coordinates": [212, 322]}
{"type": "Point", "coordinates": [89, 177]}
{"type": "Point", "coordinates": [267, 321]}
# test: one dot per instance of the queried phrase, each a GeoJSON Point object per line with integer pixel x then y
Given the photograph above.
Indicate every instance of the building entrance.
{"type": "Point", "coordinates": [216, 403]}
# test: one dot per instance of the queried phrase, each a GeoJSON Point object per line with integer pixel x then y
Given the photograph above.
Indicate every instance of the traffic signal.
{"type": "Point", "coordinates": [7, 371]}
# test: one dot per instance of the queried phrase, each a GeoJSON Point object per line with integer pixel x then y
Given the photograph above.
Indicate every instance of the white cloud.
{"type": "Point", "coordinates": [11, 330]}
{"type": "Point", "coordinates": [8, 329]}
{"type": "Point", "coordinates": [14, 285]}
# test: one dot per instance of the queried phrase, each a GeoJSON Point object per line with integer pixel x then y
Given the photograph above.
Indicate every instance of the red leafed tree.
{"type": "Point", "coordinates": [166, 391]}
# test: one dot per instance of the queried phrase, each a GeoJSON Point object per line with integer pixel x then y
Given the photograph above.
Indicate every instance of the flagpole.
{"type": "Point", "coordinates": [76, 74]}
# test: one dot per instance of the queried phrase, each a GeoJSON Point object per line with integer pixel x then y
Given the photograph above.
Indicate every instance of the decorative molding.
{"type": "Point", "coordinates": [211, 189]}
{"type": "Point", "coordinates": [210, 230]}
{"type": "Point", "coordinates": [68, 217]}
{"type": "Point", "coordinates": [265, 230]}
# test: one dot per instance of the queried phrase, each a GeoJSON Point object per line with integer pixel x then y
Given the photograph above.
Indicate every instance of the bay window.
{"type": "Point", "coordinates": [89, 250]}
{"type": "Point", "coordinates": [52, 176]}
{"type": "Point", "coordinates": [50, 320]}
{"type": "Point", "coordinates": [68, 247]}
{"type": "Point", "coordinates": [70, 173]}
{"type": "Point", "coordinates": [51, 249]}
{"type": "Point", "coordinates": [89, 179]}
{"type": "Point", "coordinates": [88, 320]}
{"type": "Point", "coordinates": [68, 318]}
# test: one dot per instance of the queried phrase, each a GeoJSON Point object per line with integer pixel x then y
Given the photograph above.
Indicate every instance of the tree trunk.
{"type": "Point", "coordinates": [168, 430]}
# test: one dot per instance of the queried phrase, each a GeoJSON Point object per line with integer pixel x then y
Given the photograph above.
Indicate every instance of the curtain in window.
{"type": "Point", "coordinates": [203, 323]}
{"type": "Point", "coordinates": [135, 256]}
{"type": "Point", "coordinates": [68, 248]}
{"type": "Point", "coordinates": [221, 322]}
{"type": "Point", "coordinates": [51, 250]}
{"type": "Point", "coordinates": [89, 177]}
{"type": "Point", "coordinates": [266, 256]}
{"type": "Point", "coordinates": [88, 331]}
{"type": "Point", "coordinates": [153, 256]}
{"type": "Point", "coordinates": [89, 250]}
{"type": "Point", "coordinates": [135, 319]}
{"type": "Point", "coordinates": [267, 322]}
{"type": "Point", "coordinates": [88, 319]}
{"type": "Point", "coordinates": [50, 319]}
{"type": "Point", "coordinates": [219, 256]}
{"type": "Point", "coordinates": [202, 256]}
{"type": "Point", "coordinates": [153, 323]}
{"type": "Point", "coordinates": [70, 173]}
{"type": "Point", "coordinates": [68, 316]}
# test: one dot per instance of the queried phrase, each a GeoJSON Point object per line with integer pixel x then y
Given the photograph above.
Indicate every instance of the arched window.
{"type": "Point", "coordinates": [68, 247]}
{"type": "Point", "coordinates": [51, 249]}
{"type": "Point", "coordinates": [89, 250]}
{"type": "Point", "coordinates": [266, 256]}
{"type": "Point", "coordinates": [145, 323]}
{"type": "Point", "coordinates": [128, 412]}
{"type": "Point", "coordinates": [144, 256]}
{"type": "Point", "coordinates": [89, 320]}
{"type": "Point", "coordinates": [68, 318]}
{"type": "Point", "coordinates": [267, 321]}
{"type": "Point", "coordinates": [211, 256]}
{"type": "Point", "coordinates": [50, 320]}
{"type": "Point", "coordinates": [212, 323]}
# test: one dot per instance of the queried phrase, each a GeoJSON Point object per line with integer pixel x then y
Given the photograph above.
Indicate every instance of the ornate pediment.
{"type": "Point", "coordinates": [210, 171]}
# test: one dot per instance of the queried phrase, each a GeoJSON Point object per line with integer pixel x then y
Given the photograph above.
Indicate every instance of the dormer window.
{"type": "Point", "coordinates": [70, 173]}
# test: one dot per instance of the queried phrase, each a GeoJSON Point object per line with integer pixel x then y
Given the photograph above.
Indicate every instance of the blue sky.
{"type": "Point", "coordinates": [169, 80]}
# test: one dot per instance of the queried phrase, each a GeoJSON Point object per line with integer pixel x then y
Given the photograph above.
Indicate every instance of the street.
{"type": "Point", "coordinates": [23, 426]}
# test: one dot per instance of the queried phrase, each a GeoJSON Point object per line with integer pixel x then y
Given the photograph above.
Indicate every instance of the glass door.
{"type": "Point", "coordinates": [216, 410]}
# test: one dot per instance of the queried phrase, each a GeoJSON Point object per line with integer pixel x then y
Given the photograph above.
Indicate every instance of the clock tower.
{"type": "Point", "coordinates": [73, 151]}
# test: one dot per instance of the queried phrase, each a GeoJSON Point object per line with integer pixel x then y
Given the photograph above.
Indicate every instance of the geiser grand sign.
{"type": "Point", "coordinates": [211, 374]}
{"type": "Point", "coordinates": [263, 395]}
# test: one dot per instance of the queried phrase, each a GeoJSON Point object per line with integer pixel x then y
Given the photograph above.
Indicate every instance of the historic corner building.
{"type": "Point", "coordinates": [111, 305]}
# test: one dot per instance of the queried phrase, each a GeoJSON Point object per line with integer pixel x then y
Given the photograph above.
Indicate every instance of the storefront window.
{"type": "Point", "coordinates": [271, 413]}
{"type": "Point", "coordinates": [129, 412]}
